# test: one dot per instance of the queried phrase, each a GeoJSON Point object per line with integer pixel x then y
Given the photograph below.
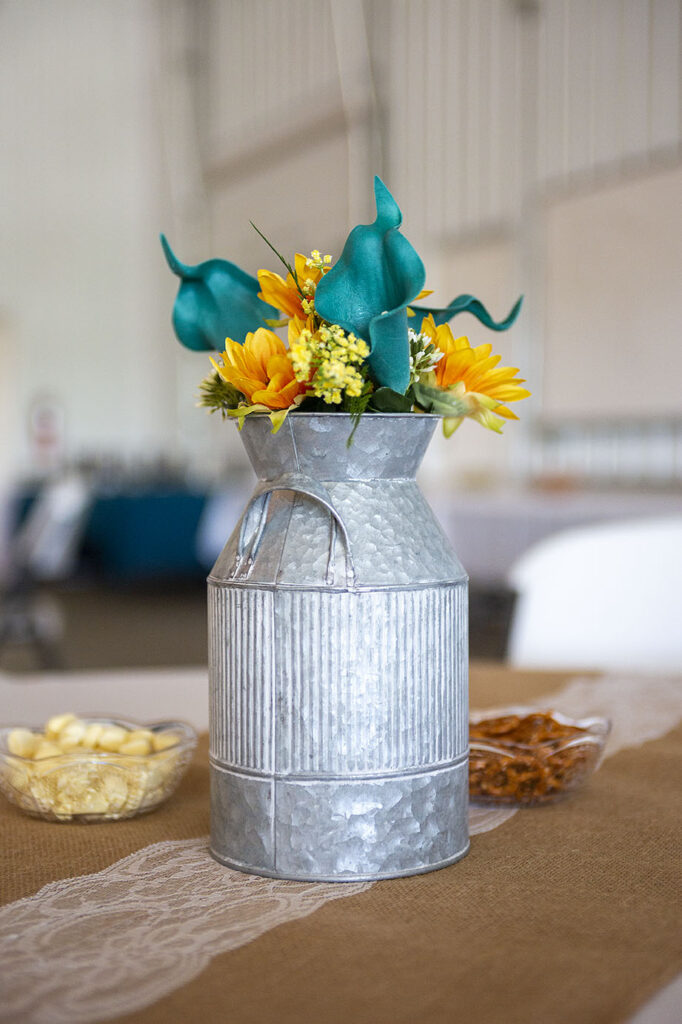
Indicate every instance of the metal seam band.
{"type": "Point", "coordinates": [254, 773]}
{"type": "Point", "coordinates": [360, 588]}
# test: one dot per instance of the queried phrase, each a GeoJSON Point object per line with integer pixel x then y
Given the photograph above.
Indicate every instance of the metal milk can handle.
{"type": "Point", "coordinates": [255, 517]}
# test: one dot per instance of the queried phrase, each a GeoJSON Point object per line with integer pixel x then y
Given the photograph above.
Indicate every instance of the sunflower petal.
{"type": "Point", "coordinates": [282, 295]}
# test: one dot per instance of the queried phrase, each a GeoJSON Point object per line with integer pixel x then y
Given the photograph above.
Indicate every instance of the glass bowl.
{"type": "Point", "coordinates": [524, 756]}
{"type": "Point", "coordinates": [90, 786]}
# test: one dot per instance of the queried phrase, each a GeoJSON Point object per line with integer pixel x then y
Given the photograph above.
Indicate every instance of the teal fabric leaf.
{"type": "Point", "coordinates": [467, 304]}
{"type": "Point", "coordinates": [368, 290]}
{"type": "Point", "coordinates": [216, 300]}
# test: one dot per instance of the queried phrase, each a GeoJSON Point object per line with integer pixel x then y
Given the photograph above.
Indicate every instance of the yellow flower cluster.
{"type": "Point", "coordinates": [318, 261]}
{"type": "Point", "coordinates": [322, 361]}
{"type": "Point", "coordinates": [319, 265]}
{"type": "Point", "coordinates": [327, 359]}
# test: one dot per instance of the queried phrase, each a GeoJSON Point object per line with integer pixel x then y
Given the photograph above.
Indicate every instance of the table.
{"type": "Point", "coordinates": [562, 913]}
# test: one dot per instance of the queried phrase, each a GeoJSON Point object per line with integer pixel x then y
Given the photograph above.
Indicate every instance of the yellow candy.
{"type": "Point", "coordinates": [83, 784]}
{"type": "Point", "coordinates": [72, 735]}
{"type": "Point", "coordinates": [141, 734]}
{"type": "Point", "coordinates": [22, 742]}
{"type": "Point", "coordinates": [91, 736]}
{"type": "Point", "coordinates": [45, 749]}
{"type": "Point", "coordinates": [115, 789]}
{"type": "Point", "coordinates": [57, 723]}
{"type": "Point", "coordinates": [163, 740]}
{"type": "Point", "coordinates": [111, 738]}
{"type": "Point", "coordinates": [139, 746]}
{"type": "Point", "coordinates": [88, 801]}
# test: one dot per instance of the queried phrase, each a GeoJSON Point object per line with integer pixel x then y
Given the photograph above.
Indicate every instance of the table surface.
{"type": "Point", "coordinates": [562, 913]}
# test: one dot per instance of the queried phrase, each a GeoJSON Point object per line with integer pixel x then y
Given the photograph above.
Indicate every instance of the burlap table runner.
{"type": "Point", "coordinates": [565, 913]}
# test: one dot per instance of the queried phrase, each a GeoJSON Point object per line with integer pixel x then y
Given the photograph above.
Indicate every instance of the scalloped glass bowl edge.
{"type": "Point", "coordinates": [546, 773]}
{"type": "Point", "coordinates": [89, 787]}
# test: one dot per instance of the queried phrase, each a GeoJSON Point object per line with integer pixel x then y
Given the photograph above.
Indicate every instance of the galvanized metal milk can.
{"type": "Point", "coordinates": [338, 660]}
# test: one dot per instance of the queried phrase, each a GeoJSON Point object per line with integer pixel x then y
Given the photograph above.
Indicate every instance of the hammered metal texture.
{"type": "Point", "coordinates": [338, 660]}
{"type": "Point", "coordinates": [242, 819]}
{"type": "Point", "coordinates": [394, 537]}
{"type": "Point", "coordinates": [340, 829]}
{"type": "Point", "coordinates": [384, 447]}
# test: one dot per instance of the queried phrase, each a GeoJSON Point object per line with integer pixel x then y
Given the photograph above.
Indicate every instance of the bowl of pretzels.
{"type": "Point", "coordinates": [523, 756]}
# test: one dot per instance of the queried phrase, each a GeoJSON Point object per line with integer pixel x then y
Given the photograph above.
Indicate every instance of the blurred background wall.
{"type": "Point", "coordinates": [534, 146]}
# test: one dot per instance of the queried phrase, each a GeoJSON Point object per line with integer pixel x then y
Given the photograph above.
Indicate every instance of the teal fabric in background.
{"type": "Point", "coordinates": [137, 534]}
{"type": "Point", "coordinates": [145, 535]}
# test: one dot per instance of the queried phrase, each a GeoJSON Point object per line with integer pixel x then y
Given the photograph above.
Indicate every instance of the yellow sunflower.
{"type": "Point", "coordinates": [475, 373]}
{"type": "Point", "coordinates": [261, 370]}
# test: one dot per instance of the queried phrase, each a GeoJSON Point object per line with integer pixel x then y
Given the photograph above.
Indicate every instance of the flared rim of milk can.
{"type": "Point", "coordinates": [299, 414]}
{"type": "Point", "coordinates": [384, 445]}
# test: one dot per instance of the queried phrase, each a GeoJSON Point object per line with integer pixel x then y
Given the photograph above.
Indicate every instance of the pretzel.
{"type": "Point", "coordinates": [523, 759]}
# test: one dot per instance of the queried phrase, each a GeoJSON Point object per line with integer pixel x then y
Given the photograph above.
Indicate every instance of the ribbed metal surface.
{"type": "Point", "coordinates": [241, 657]}
{"type": "Point", "coordinates": [370, 682]}
{"type": "Point", "coordinates": [387, 667]}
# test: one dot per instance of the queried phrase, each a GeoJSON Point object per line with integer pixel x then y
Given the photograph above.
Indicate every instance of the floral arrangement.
{"type": "Point", "coordinates": [355, 340]}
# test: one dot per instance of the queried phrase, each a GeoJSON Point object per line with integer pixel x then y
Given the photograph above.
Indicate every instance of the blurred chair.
{"type": "Point", "coordinates": [606, 597]}
{"type": "Point", "coordinates": [45, 548]}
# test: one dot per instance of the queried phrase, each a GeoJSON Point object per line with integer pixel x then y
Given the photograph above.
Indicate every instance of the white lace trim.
{"type": "Point", "coordinates": [98, 946]}
{"type": "Point", "coordinates": [640, 709]}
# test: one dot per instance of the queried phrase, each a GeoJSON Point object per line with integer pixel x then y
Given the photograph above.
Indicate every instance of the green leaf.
{"type": "Point", "coordinates": [387, 400]}
{"type": "Point", "coordinates": [292, 270]}
{"type": "Point", "coordinates": [217, 395]}
{"type": "Point", "coordinates": [356, 405]}
{"type": "Point", "coordinates": [439, 401]}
